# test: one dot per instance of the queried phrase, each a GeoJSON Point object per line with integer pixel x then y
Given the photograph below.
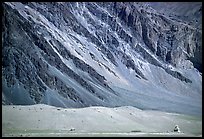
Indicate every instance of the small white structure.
{"type": "Point", "coordinates": [176, 129]}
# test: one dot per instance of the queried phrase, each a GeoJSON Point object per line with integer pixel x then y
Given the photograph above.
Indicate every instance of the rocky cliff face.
{"type": "Point", "coordinates": [111, 54]}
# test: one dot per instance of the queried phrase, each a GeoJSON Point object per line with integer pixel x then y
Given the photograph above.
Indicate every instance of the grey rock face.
{"type": "Point", "coordinates": [30, 68]}
{"type": "Point", "coordinates": [76, 54]}
{"type": "Point", "coordinates": [130, 64]}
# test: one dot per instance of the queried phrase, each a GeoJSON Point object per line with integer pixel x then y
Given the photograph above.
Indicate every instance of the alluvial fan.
{"type": "Point", "coordinates": [79, 54]}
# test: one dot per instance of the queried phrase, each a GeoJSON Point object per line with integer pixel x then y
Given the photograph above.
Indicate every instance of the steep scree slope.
{"type": "Point", "coordinates": [79, 54]}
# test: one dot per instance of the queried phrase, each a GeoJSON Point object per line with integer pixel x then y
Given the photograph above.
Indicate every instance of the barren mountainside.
{"type": "Point", "coordinates": [79, 54]}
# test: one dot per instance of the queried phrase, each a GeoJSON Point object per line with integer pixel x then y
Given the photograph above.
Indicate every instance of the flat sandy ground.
{"type": "Point", "coordinates": [43, 120]}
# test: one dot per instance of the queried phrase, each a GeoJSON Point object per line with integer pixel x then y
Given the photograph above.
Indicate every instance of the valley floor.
{"type": "Point", "coordinates": [43, 120]}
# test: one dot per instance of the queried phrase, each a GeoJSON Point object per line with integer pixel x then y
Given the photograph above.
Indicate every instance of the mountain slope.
{"type": "Point", "coordinates": [107, 54]}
